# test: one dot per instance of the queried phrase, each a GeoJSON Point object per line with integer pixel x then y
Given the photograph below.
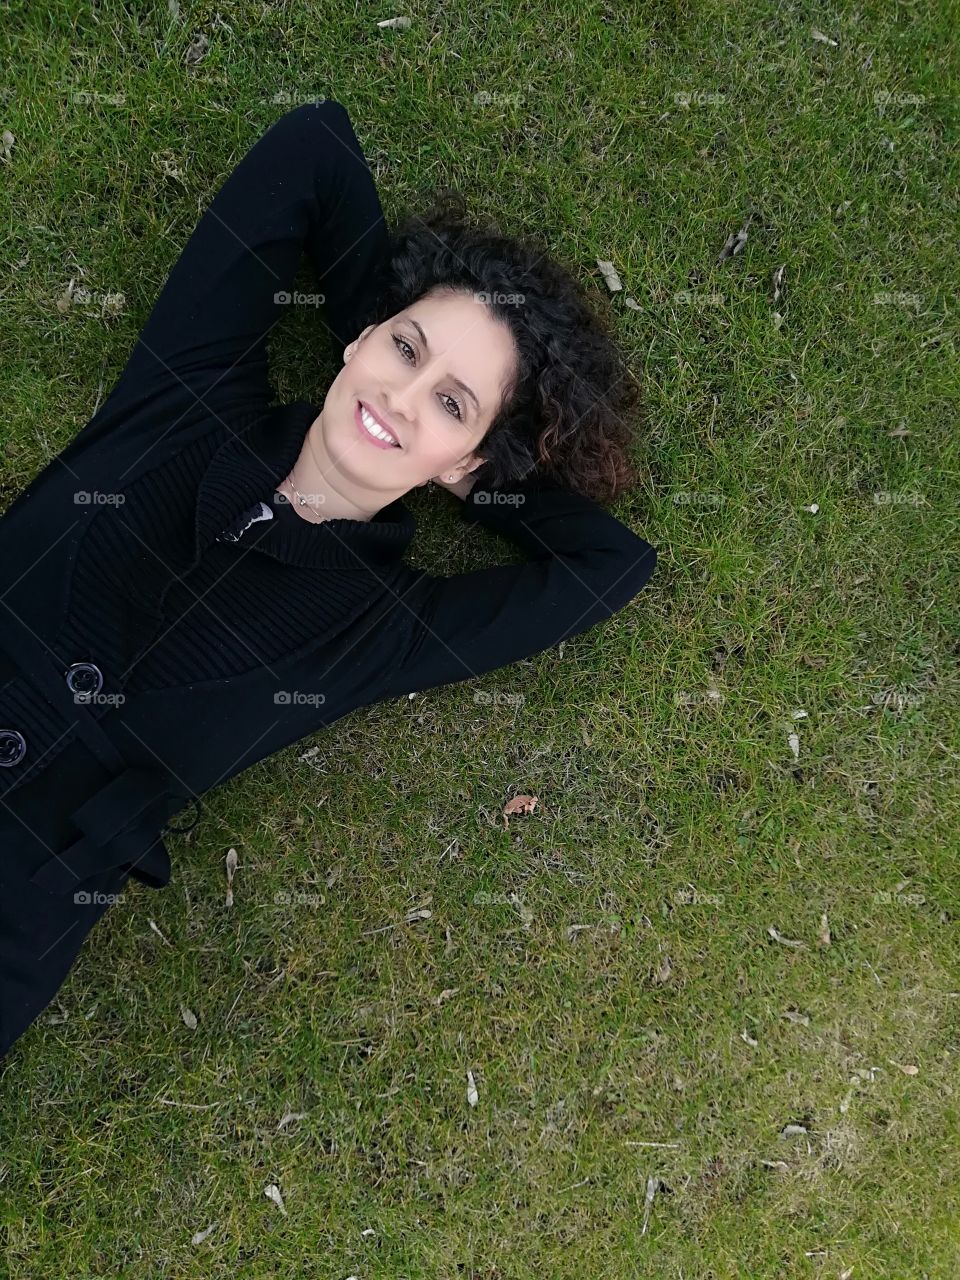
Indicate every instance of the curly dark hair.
{"type": "Point", "coordinates": [571, 409]}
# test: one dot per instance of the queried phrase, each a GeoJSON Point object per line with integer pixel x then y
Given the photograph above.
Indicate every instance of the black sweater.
{"type": "Point", "coordinates": [213, 653]}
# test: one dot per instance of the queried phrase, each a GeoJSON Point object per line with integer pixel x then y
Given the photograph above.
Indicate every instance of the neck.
{"type": "Point", "coordinates": [328, 493]}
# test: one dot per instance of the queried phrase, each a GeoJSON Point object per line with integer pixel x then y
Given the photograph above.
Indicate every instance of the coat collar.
{"type": "Point", "coordinates": [246, 469]}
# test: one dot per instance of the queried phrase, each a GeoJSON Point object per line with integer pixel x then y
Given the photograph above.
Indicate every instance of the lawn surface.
{"type": "Point", "coordinates": [608, 967]}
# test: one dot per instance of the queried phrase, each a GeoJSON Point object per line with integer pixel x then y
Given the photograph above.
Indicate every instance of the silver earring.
{"type": "Point", "coordinates": [450, 478]}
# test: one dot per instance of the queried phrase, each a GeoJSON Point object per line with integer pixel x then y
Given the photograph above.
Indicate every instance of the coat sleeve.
{"type": "Point", "coordinates": [582, 566]}
{"type": "Point", "coordinates": [303, 186]}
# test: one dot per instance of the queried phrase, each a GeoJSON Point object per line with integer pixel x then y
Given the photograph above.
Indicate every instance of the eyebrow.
{"type": "Point", "coordinates": [456, 381]}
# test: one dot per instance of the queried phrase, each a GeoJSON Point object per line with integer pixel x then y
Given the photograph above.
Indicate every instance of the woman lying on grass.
{"type": "Point", "coordinates": [199, 579]}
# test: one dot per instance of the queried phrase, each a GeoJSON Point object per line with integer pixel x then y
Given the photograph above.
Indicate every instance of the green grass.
{"type": "Point", "coordinates": [675, 824]}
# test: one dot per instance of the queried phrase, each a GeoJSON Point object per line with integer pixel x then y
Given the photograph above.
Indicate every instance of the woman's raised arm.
{"type": "Point", "coordinates": [304, 185]}
{"type": "Point", "coordinates": [584, 565]}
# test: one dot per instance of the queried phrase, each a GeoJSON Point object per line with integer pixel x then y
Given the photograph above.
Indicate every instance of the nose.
{"type": "Point", "coordinates": [401, 401]}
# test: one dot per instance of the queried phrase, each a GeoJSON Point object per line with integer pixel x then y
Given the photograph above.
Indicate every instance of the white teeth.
{"type": "Point", "coordinates": [373, 428]}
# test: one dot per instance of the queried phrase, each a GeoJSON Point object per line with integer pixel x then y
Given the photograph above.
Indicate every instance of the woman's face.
{"type": "Point", "coordinates": [434, 376]}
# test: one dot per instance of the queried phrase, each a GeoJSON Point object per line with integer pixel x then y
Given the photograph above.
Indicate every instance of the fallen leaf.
{"type": "Point", "coordinates": [652, 1187]}
{"type": "Point", "coordinates": [908, 1069]}
{"type": "Point", "coordinates": [748, 1039]}
{"type": "Point", "coordinates": [401, 24]}
{"type": "Point", "coordinates": [609, 274]}
{"type": "Point", "coordinates": [735, 241]}
{"type": "Point", "coordinates": [793, 1130]}
{"type": "Point", "coordinates": [200, 1236]}
{"type": "Point", "coordinates": [519, 804]}
{"type": "Point", "coordinates": [800, 1018]}
{"type": "Point", "coordinates": [288, 1117]}
{"type": "Point", "coordinates": [196, 50]}
{"type": "Point", "coordinates": [153, 926]}
{"type": "Point", "coordinates": [231, 863]}
{"type": "Point", "coordinates": [189, 1017]}
{"type": "Point", "coordinates": [786, 942]}
{"type": "Point", "coordinates": [7, 141]}
{"type": "Point", "coordinates": [818, 35]}
{"type": "Point", "coordinates": [778, 282]}
{"type": "Point", "coordinates": [823, 936]}
{"type": "Point", "coordinates": [418, 913]}
{"type": "Point", "coordinates": [272, 1192]}
{"type": "Point", "coordinates": [794, 742]}
{"type": "Point", "coordinates": [574, 929]}
{"type": "Point", "coordinates": [472, 1096]}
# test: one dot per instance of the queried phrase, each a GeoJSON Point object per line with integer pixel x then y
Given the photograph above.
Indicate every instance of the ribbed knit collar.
{"type": "Point", "coordinates": [247, 468]}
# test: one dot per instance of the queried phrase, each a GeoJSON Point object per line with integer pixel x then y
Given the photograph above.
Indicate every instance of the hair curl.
{"type": "Point", "coordinates": [571, 408]}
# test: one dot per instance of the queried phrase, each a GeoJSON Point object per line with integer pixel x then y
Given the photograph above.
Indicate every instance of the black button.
{"type": "Point", "coordinates": [84, 679]}
{"type": "Point", "coordinates": [13, 747]}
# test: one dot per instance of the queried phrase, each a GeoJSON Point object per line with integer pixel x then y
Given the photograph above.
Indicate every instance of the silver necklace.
{"type": "Point", "coordinates": [301, 499]}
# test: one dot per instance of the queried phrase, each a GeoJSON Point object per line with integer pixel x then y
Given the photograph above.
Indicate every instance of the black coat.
{"type": "Point", "coordinates": [94, 762]}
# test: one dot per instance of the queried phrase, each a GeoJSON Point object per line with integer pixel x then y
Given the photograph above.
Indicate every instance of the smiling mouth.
{"type": "Point", "coordinates": [373, 429]}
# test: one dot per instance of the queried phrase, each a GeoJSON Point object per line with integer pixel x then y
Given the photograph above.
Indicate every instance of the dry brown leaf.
{"type": "Point", "coordinates": [908, 1069]}
{"type": "Point", "coordinates": [189, 1017]}
{"type": "Point", "coordinates": [519, 804]}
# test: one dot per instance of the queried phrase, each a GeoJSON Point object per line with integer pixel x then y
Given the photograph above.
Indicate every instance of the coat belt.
{"type": "Point", "coordinates": [119, 821]}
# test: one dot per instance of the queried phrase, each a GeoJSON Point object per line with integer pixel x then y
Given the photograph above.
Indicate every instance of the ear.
{"type": "Point", "coordinates": [457, 473]}
{"type": "Point", "coordinates": [351, 347]}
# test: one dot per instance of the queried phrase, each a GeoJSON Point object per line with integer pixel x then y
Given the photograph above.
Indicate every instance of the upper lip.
{"type": "Point", "coordinates": [381, 420]}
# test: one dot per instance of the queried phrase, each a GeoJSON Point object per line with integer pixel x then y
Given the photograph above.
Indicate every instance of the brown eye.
{"type": "Point", "coordinates": [400, 342]}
